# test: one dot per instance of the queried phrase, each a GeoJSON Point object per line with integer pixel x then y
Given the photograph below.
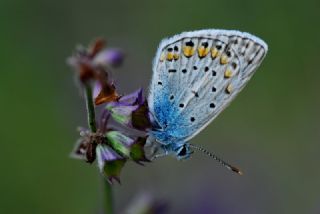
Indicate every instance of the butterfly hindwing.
{"type": "Point", "coordinates": [197, 74]}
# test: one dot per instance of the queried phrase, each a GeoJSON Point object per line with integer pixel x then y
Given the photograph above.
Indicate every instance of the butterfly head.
{"type": "Point", "coordinates": [180, 150]}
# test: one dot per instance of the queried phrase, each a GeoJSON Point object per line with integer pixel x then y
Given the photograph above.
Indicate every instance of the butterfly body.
{"type": "Point", "coordinates": [195, 76]}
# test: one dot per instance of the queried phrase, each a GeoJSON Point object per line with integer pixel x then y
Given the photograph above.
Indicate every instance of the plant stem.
{"type": "Point", "coordinates": [90, 108]}
{"type": "Point", "coordinates": [93, 127]}
{"type": "Point", "coordinates": [108, 197]}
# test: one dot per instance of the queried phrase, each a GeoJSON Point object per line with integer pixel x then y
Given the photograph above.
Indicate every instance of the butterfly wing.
{"type": "Point", "coordinates": [197, 74]}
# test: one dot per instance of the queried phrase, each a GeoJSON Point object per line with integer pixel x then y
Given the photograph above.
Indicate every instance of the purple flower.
{"type": "Point", "coordinates": [147, 203]}
{"type": "Point", "coordinates": [93, 63]}
{"type": "Point", "coordinates": [83, 60]}
{"type": "Point", "coordinates": [131, 148]}
{"type": "Point", "coordinates": [109, 57]}
{"type": "Point", "coordinates": [131, 110]}
{"type": "Point", "coordinates": [110, 163]}
{"type": "Point", "coordinates": [110, 147]}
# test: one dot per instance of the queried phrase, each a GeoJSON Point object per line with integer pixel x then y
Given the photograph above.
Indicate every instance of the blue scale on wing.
{"type": "Point", "coordinates": [204, 73]}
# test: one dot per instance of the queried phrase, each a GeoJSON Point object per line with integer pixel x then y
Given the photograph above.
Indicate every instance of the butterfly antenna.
{"type": "Point", "coordinates": [225, 164]}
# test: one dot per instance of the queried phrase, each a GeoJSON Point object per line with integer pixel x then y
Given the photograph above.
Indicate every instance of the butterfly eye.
{"type": "Point", "coordinates": [183, 151]}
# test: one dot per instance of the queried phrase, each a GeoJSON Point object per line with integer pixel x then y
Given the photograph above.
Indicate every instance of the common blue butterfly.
{"type": "Point", "coordinates": [195, 76]}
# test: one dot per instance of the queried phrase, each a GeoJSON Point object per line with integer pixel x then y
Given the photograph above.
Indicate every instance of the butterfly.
{"type": "Point", "coordinates": [195, 77]}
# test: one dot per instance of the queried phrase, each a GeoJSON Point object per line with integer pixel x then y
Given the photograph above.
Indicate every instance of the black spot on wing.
{"type": "Point", "coordinates": [195, 93]}
{"type": "Point", "coordinates": [205, 44]}
{"type": "Point", "coordinates": [234, 65]}
{"type": "Point", "coordinates": [172, 70]}
{"type": "Point", "coordinates": [228, 53]}
{"type": "Point", "coordinates": [190, 43]}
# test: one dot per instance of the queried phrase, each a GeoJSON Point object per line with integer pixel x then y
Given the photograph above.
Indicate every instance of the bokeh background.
{"type": "Point", "coordinates": [271, 130]}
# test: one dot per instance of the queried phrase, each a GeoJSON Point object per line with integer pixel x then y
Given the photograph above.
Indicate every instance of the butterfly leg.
{"type": "Point", "coordinates": [159, 155]}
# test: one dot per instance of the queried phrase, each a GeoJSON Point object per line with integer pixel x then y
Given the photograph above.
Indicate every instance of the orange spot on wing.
{"type": "Point", "coordinates": [176, 56]}
{"type": "Point", "coordinates": [202, 51]}
{"type": "Point", "coordinates": [188, 51]}
{"type": "Point", "coordinates": [162, 57]}
{"type": "Point", "coordinates": [229, 89]}
{"type": "Point", "coordinates": [169, 56]}
{"type": "Point", "coordinates": [214, 53]}
{"type": "Point", "coordinates": [224, 59]}
{"type": "Point", "coordinates": [228, 73]}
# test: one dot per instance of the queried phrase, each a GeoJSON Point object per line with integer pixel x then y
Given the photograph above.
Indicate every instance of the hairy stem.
{"type": "Point", "coordinates": [93, 127]}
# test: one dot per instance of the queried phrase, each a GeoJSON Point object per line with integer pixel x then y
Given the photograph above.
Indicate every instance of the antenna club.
{"type": "Point", "coordinates": [236, 170]}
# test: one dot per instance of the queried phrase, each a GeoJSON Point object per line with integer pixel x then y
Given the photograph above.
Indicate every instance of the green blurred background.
{"type": "Point", "coordinates": [271, 130]}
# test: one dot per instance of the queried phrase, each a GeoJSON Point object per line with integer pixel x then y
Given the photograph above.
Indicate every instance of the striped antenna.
{"type": "Point", "coordinates": [225, 164]}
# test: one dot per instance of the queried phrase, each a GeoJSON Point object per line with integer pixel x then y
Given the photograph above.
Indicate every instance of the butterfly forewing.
{"type": "Point", "coordinates": [197, 74]}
